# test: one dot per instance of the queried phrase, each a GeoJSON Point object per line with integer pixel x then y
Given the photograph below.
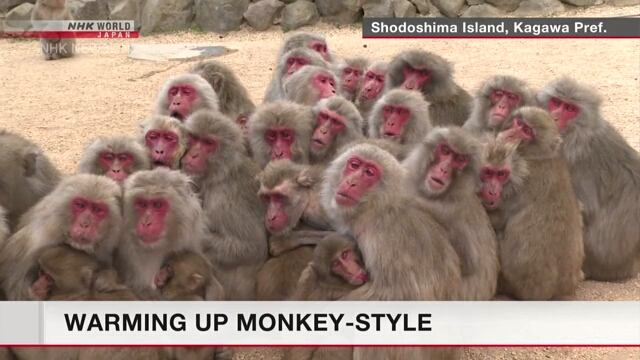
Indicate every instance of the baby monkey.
{"type": "Point", "coordinates": [187, 276]}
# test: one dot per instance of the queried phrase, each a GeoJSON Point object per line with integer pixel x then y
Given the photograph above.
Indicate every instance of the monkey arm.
{"type": "Point", "coordinates": [278, 246]}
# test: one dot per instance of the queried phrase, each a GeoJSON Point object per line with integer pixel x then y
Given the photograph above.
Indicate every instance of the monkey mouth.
{"type": "Point", "coordinates": [318, 144]}
{"type": "Point", "coordinates": [160, 163]}
{"type": "Point", "coordinates": [82, 241]}
{"type": "Point", "coordinates": [390, 136]}
{"type": "Point", "coordinates": [177, 115]}
{"type": "Point", "coordinates": [436, 183]}
{"type": "Point", "coordinates": [489, 204]}
{"type": "Point", "coordinates": [345, 200]}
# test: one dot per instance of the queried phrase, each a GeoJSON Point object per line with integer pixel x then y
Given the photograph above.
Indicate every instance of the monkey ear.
{"type": "Point", "coordinates": [195, 281]}
{"type": "Point", "coordinates": [86, 274]}
{"type": "Point", "coordinates": [29, 163]}
{"type": "Point", "coordinates": [305, 180]}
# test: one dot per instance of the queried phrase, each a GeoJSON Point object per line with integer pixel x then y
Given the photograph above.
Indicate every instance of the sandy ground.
{"type": "Point", "coordinates": [62, 105]}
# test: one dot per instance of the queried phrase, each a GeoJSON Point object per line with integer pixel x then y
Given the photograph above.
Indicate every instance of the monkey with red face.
{"type": "Point", "coordinates": [115, 157]}
{"type": "Point", "coordinates": [83, 212]}
{"type": "Point", "coordinates": [310, 84]}
{"type": "Point", "coordinates": [183, 94]}
{"type": "Point", "coordinates": [605, 172]}
{"type": "Point", "coordinates": [338, 123]}
{"type": "Point", "coordinates": [496, 99]}
{"type": "Point", "coordinates": [371, 90]}
{"type": "Point", "coordinates": [351, 73]}
{"type": "Point", "coordinates": [165, 140]}
{"type": "Point", "coordinates": [281, 130]}
{"type": "Point", "coordinates": [309, 40]}
{"type": "Point", "coordinates": [432, 76]}
{"type": "Point", "coordinates": [290, 63]}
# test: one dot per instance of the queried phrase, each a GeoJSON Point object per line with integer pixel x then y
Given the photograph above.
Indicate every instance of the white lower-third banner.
{"type": "Point", "coordinates": [503, 323]}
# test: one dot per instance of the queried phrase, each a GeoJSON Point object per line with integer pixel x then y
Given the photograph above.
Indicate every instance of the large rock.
{"type": "Point", "coordinates": [89, 9]}
{"type": "Point", "coordinates": [623, 2]}
{"type": "Point", "coordinates": [423, 6]}
{"type": "Point", "coordinates": [220, 16]}
{"type": "Point", "coordinates": [404, 9]}
{"type": "Point", "coordinates": [339, 12]}
{"type": "Point", "coordinates": [124, 10]}
{"type": "Point", "coordinates": [539, 8]}
{"type": "Point", "coordinates": [260, 15]}
{"type": "Point", "coordinates": [298, 14]}
{"type": "Point", "coordinates": [483, 11]}
{"type": "Point", "coordinates": [450, 8]}
{"type": "Point", "coordinates": [581, 3]}
{"type": "Point", "coordinates": [378, 8]}
{"type": "Point", "coordinates": [8, 4]}
{"type": "Point", "coordinates": [18, 16]}
{"type": "Point", "coordinates": [166, 15]}
{"type": "Point", "coordinates": [506, 5]}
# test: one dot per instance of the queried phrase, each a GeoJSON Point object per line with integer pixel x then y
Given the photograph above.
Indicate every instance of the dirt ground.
{"type": "Point", "coordinates": [62, 105]}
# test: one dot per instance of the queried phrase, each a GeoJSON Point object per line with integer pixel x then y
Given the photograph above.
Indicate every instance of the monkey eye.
{"type": "Point", "coordinates": [502, 174]}
{"type": "Point", "coordinates": [528, 131]}
{"type": "Point", "coordinates": [357, 73]}
{"type": "Point", "coordinates": [512, 97]}
{"type": "Point", "coordinates": [98, 209]}
{"type": "Point", "coordinates": [556, 101]}
{"type": "Point", "coordinates": [335, 263]}
{"type": "Point", "coordinates": [173, 91]}
{"type": "Point", "coordinates": [403, 111]}
{"type": "Point", "coordinates": [344, 254]}
{"type": "Point", "coordinates": [79, 204]}
{"type": "Point", "coordinates": [271, 135]}
{"type": "Point", "coordinates": [209, 142]}
{"type": "Point", "coordinates": [141, 203]}
{"type": "Point", "coordinates": [519, 121]}
{"type": "Point", "coordinates": [108, 156]}
{"type": "Point", "coordinates": [424, 73]}
{"type": "Point", "coordinates": [303, 61]}
{"type": "Point", "coordinates": [152, 135]}
{"type": "Point", "coordinates": [264, 197]}
{"type": "Point", "coordinates": [158, 204]}
{"type": "Point", "coordinates": [347, 71]}
{"type": "Point", "coordinates": [388, 109]}
{"type": "Point", "coordinates": [286, 134]}
{"type": "Point", "coordinates": [124, 157]}
{"type": "Point", "coordinates": [498, 93]}
{"type": "Point", "coordinates": [336, 122]}
{"type": "Point", "coordinates": [487, 172]}
{"type": "Point", "coordinates": [291, 61]}
{"type": "Point", "coordinates": [460, 158]}
{"type": "Point", "coordinates": [445, 150]}
{"type": "Point", "coordinates": [370, 172]}
{"type": "Point", "coordinates": [242, 120]}
{"type": "Point", "coordinates": [354, 164]}
{"type": "Point", "coordinates": [370, 75]}
{"type": "Point", "coordinates": [324, 115]}
{"type": "Point", "coordinates": [323, 80]}
{"type": "Point", "coordinates": [169, 138]}
{"type": "Point", "coordinates": [278, 197]}
{"type": "Point", "coordinates": [571, 108]}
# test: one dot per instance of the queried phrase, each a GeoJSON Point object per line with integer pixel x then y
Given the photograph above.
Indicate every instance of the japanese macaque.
{"type": "Point", "coordinates": [335, 270]}
{"type": "Point", "coordinates": [54, 10]}
{"type": "Point", "coordinates": [444, 169]}
{"type": "Point", "coordinates": [4, 226]}
{"type": "Point", "coordinates": [338, 122]}
{"type": "Point", "coordinates": [310, 84]}
{"type": "Point", "coordinates": [288, 64]}
{"type": "Point", "coordinates": [281, 130]}
{"type": "Point", "coordinates": [236, 239]}
{"type": "Point", "coordinates": [542, 217]}
{"type": "Point", "coordinates": [187, 276]}
{"type": "Point", "coordinates": [290, 194]}
{"type": "Point", "coordinates": [161, 215]}
{"type": "Point", "coordinates": [114, 157]}
{"type": "Point", "coordinates": [605, 172]}
{"type": "Point", "coordinates": [432, 75]}
{"type": "Point", "coordinates": [303, 39]}
{"type": "Point", "coordinates": [26, 175]}
{"type": "Point", "coordinates": [365, 193]}
{"type": "Point", "coordinates": [184, 94]}
{"type": "Point", "coordinates": [165, 140]}
{"type": "Point", "coordinates": [83, 212]}
{"type": "Point", "coordinates": [233, 98]}
{"type": "Point", "coordinates": [501, 175]}
{"type": "Point", "coordinates": [351, 73]}
{"type": "Point", "coordinates": [495, 100]}
{"type": "Point", "coordinates": [400, 116]}
{"type": "Point", "coordinates": [67, 274]}
{"type": "Point", "coordinates": [371, 90]}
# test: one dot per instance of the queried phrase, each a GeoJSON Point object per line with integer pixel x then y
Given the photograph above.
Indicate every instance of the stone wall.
{"type": "Point", "coordinates": [222, 16]}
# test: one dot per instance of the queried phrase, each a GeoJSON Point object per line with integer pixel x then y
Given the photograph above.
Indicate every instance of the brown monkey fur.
{"type": "Point", "coordinates": [275, 90]}
{"type": "Point", "coordinates": [50, 223]}
{"type": "Point", "coordinates": [26, 174]}
{"type": "Point", "coordinates": [56, 10]}
{"type": "Point", "coordinates": [79, 276]}
{"type": "Point", "coordinates": [90, 161]}
{"type": "Point", "coordinates": [291, 246]}
{"type": "Point", "coordinates": [543, 217]}
{"type": "Point", "coordinates": [300, 87]}
{"type": "Point", "coordinates": [207, 98]}
{"type": "Point", "coordinates": [164, 124]}
{"type": "Point", "coordinates": [191, 279]}
{"type": "Point", "coordinates": [319, 283]}
{"type": "Point", "coordinates": [352, 127]}
{"type": "Point", "coordinates": [416, 127]}
{"type": "Point", "coordinates": [605, 172]}
{"type": "Point", "coordinates": [138, 261]}
{"type": "Point", "coordinates": [365, 105]}
{"type": "Point", "coordinates": [304, 39]}
{"type": "Point", "coordinates": [458, 209]}
{"type": "Point", "coordinates": [420, 264]}
{"type": "Point", "coordinates": [279, 114]}
{"type": "Point", "coordinates": [482, 103]}
{"type": "Point", "coordinates": [449, 104]}
{"type": "Point", "coordinates": [359, 63]}
{"type": "Point", "coordinates": [400, 152]}
{"type": "Point", "coordinates": [236, 241]}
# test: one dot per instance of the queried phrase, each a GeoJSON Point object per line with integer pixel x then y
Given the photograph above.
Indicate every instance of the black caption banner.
{"type": "Point", "coordinates": [618, 28]}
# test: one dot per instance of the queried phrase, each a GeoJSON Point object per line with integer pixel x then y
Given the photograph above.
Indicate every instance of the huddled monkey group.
{"type": "Point", "coordinates": [354, 180]}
